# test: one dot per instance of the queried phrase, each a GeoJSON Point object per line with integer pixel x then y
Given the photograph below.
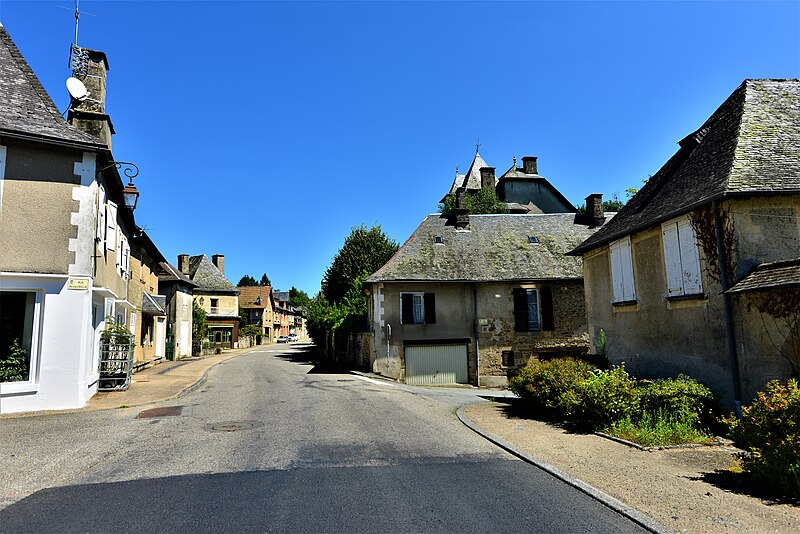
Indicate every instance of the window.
{"type": "Point", "coordinates": [681, 258]}
{"type": "Point", "coordinates": [507, 358]}
{"type": "Point", "coordinates": [17, 343]}
{"type": "Point", "coordinates": [622, 271]}
{"type": "Point", "coordinates": [533, 309]}
{"type": "Point", "coordinates": [417, 308]}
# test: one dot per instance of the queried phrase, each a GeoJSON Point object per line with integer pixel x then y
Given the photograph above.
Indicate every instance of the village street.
{"type": "Point", "coordinates": [270, 443]}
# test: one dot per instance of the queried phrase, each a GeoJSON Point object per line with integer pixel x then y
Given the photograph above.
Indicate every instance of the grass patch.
{"type": "Point", "coordinates": [658, 431]}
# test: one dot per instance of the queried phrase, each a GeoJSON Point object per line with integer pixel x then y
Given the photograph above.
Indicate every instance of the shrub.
{"type": "Point", "coordinates": [604, 397]}
{"type": "Point", "coordinates": [14, 366]}
{"type": "Point", "coordinates": [685, 398]}
{"type": "Point", "coordinates": [657, 430]}
{"type": "Point", "coordinates": [549, 386]}
{"type": "Point", "coordinates": [770, 430]}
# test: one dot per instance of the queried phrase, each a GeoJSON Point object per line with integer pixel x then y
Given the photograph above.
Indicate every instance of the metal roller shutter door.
{"type": "Point", "coordinates": [436, 364]}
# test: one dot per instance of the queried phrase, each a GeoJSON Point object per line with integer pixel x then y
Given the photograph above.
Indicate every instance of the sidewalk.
{"type": "Point", "coordinates": [684, 489]}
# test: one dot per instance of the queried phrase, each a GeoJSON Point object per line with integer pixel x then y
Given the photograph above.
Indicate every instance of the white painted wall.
{"type": "Point", "coordinates": [63, 375]}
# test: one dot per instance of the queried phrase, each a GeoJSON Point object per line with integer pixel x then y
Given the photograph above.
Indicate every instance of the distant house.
{"type": "Point", "coordinates": [218, 297]}
{"type": "Point", "coordinates": [177, 289]}
{"type": "Point", "coordinates": [148, 318]}
{"type": "Point", "coordinates": [521, 188]}
{"type": "Point", "coordinates": [259, 305]}
{"type": "Point", "coordinates": [470, 298]}
{"type": "Point", "coordinates": [696, 273]}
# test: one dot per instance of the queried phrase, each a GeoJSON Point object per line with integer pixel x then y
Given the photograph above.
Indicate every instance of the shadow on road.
{"type": "Point", "coordinates": [310, 355]}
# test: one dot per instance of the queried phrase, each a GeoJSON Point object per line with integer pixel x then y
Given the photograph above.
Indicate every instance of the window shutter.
{"type": "Point", "coordinates": [690, 258]}
{"type": "Point", "coordinates": [111, 225]}
{"type": "Point", "coordinates": [672, 259]}
{"type": "Point", "coordinates": [101, 219]}
{"type": "Point", "coordinates": [407, 308]}
{"type": "Point", "coordinates": [430, 308]}
{"type": "Point", "coordinates": [520, 309]}
{"type": "Point", "coordinates": [628, 289]}
{"type": "Point", "coordinates": [546, 308]}
{"type": "Point", "coordinates": [616, 273]}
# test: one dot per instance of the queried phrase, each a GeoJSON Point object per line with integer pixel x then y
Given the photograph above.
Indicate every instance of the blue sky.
{"type": "Point", "coordinates": [265, 131]}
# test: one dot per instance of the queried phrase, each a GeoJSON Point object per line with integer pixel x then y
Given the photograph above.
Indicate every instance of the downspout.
{"type": "Point", "coordinates": [726, 302]}
{"type": "Point", "coordinates": [388, 335]}
{"type": "Point", "coordinates": [475, 330]}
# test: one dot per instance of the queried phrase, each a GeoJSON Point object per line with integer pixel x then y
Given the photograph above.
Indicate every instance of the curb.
{"type": "Point", "coordinates": [618, 506]}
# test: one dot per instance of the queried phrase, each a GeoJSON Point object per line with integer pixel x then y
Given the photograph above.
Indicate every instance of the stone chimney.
{"type": "Point", "coordinates": [183, 263]}
{"type": "Point", "coordinates": [219, 262]}
{"type": "Point", "coordinates": [529, 165]}
{"type": "Point", "coordinates": [594, 209]}
{"type": "Point", "coordinates": [462, 213]}
{"type": "Point", "coordinates": [89, 114]}
{"type": "Point", "coordinates": [487, 178]}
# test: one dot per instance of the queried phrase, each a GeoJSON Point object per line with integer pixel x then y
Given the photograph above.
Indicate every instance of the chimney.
{"type": "Point", "coordinates": [219, 262]}
{"type": "Point", "coordinates": [183, 263]}
{"type": "Point", "coordinates": [529, 165]}
{"type": "Point", "coordinates": [487, 178]}
{"type": "Point", "coordinates": [462, 213]}
{"type": "Point", "coordinates": [594, 209]}
{"type": "Point", "coordinates": [89, 114]}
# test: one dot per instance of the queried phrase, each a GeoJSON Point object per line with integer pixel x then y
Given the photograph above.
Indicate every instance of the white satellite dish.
{"type": "Point", "coordinates": [76, 88]}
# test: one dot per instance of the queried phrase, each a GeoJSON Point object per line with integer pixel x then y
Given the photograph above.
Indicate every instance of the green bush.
{"type": "Point", "coordinates": [605, 397]}
{"type": "Point", "coordinates": [770, 430]}
{"type": "Point", "coordinates": [14, 365]}
{"type": "Point", "coordinates": [685, 398]}
{"type": "Point", "coordinates": [658, 429]}
{"type": "Point", "coordinates": [548, 387]}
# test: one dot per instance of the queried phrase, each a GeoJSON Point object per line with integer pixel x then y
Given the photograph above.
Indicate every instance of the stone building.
{"type": "Point", "coordinates": [259, 305]}
{"type": "Point", "coordinates": [470, 298]}
{"type": "Point", "coordinates": [218, 297]}
{"type": "Point", "coordinates": [177, 288]}
{"type": "Point", "coordinates": [698, 273]}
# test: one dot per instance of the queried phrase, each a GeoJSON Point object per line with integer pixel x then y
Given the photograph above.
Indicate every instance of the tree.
{"type": "Point", "coordinates": [299, 298]}
{"type": "Point", "coordinates": [482, 202]}
{"type": "Point", "coordinates": [199, 327]}
{"type": "Point", "coordinates": [247, 280]}
{"type": "Point", "coordinates": [364, 251]}
{"type": "Point", "coordinates": [264, 280]}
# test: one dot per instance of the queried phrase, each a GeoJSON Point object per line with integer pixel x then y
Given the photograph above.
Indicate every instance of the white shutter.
{"type": "Point", "coordinates": [126, 259]}
{"type": "Point", "coordinates": [120, 252]}
{"type": "Point", "coordinates": [690, 258]}
{"type": "Point", "coordinates": [622, 271]}
{"type": "Point", "coordinates": [111, 225]}
{"type": "Point", "coordinates": [101, 219]}
{"type": "Point", "coordinates": [672, 259]}
{"type": "Point", "coordinates": [133, 323]}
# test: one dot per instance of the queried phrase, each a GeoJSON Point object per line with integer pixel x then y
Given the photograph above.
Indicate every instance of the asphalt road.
{"type": "Point", "coordinates": [271, 443]}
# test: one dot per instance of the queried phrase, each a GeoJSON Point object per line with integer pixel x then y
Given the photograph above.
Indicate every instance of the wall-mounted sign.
{"type": "Point", "coordinates": [78, 283]}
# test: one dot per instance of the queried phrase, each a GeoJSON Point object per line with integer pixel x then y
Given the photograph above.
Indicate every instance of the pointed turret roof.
{"type": "Point", "coordinates": [471, 180]}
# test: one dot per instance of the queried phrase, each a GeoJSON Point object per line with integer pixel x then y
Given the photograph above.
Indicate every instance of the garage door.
{"type": "Point", "coordinates": [436, 364]}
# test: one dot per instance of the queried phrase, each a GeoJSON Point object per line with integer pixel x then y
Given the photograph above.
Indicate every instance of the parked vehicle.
{"type": "Point", "coordinates": [283, 339]}
{"type": "Point", "coordinates": [292, 337]}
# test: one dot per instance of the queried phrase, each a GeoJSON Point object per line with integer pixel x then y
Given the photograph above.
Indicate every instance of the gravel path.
{"type": "Point", "coordinates": [672, 486]}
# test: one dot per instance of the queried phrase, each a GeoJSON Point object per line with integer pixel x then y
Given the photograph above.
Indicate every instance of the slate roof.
{"type": "Point", "coordinates": [25, 107]}
{"type": "Point", "coordinates": [496, 248]}
{"type": "Point", "coordinates": [518, 174]}
{"type": "Point", "coordinates": [208, 278]}
{"type": "Point", "coordinates": [249, 294]}
{"type": "Point", "coordinates": [471, 180]}
{"type": "Point", "coordinates": [748, 146]}
{"type": "Point", "coordinates": [154, 304]}
{"type": "Point", "coordinates": [770, 275]}
{"type": "Point", "coordinates": [170, 273]}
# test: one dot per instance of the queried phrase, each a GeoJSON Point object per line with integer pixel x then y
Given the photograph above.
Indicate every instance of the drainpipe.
{"type": "Point", "coordinates": [388, 335]}
{"type": "Point", "coordinates": [726, 302]}
{"type": "Point", "coordinates": [475, 330]}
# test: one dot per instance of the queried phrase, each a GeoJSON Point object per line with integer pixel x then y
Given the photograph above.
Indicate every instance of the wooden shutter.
{"type": "Point", "coordinates": [546, 308]}
{"type": "Point", "coordinates": [430, 308]}
{"type": "Point", "coordinates": [690, 258]}
{"type": "Point", "coordinates": [520, 309]}
{"type": "Point", "coordinates": [111, 226]}
{"type": "Point", "coordinates": [672, 259]}
{"type": "Point", "coordinates": [101, 219]}
{"type": "Point", "coordinates": [407, 308]}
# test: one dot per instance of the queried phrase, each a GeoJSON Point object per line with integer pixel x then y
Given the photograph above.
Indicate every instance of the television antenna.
{"type": "Point", "coordinates": [78, 58]}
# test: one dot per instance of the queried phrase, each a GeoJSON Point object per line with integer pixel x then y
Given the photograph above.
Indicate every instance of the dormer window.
{"type": "Point", "coordinates": [439, 240]}
{"type": "Point", "coordinates": [533, 239]}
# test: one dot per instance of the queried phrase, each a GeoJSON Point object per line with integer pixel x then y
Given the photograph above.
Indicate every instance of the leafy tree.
{"type": "Point", "coordinates": [299, 298]}
{"type": "Point", "coordinates": [247, 280]}
{"type": "Point", "coordinates": [264, 280]}
{"type": "Point", "coordinates": [482, 202]}
{"type": "Point", "coordinates": [364, 250]}
{"type": "Point", "coordinates": [199, 327]}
